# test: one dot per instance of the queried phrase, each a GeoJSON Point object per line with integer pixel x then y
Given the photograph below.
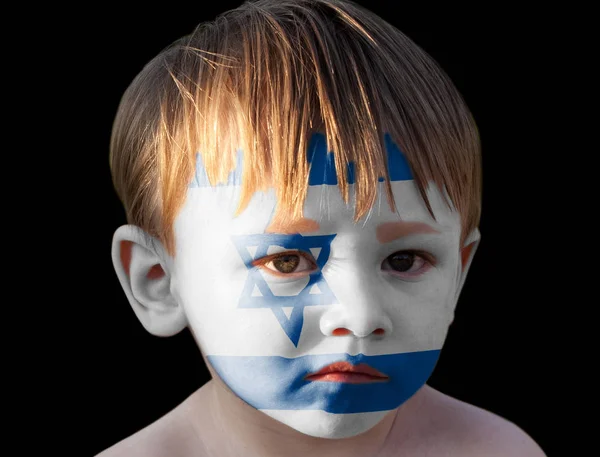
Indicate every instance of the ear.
{"type": "Point", "coordinates": [141, 264]}
{"type": "Point", "coordinates": [467, 253]}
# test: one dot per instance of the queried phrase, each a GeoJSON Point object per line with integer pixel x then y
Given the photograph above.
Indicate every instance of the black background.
{"type": "Point", "coordinates": [499, 354]}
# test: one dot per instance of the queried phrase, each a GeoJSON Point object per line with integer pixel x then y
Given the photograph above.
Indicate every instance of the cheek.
{"type": "Point", "coordinates": [422, 311]}
{"type": "Point", "coordinates": [221, 305]}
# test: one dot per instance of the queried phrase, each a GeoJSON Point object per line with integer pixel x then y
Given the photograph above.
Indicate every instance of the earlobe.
{"type": "Point", "coordinates": [140, 263]}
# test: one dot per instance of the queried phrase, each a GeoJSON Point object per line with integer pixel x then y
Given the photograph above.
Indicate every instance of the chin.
{"type": "Point", "coordinates": [321, 424]}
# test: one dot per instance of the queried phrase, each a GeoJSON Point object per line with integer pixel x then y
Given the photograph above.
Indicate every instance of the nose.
{"type": "Point", "coordinates": [359, 327]}
{"type": "Point", "coordinates": [361, 311]}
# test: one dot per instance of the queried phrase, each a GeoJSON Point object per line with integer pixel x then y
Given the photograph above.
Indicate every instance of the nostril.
{"type": "Point", "coordinates": [345, 331]}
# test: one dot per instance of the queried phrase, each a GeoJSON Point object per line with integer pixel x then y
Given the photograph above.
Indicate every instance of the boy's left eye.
{"type": "Point", "coordinates": [409, 263]}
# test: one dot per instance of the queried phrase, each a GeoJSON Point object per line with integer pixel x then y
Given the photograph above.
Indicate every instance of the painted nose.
{"type": "Point", "coordinates": [363, 302]}
{"type": "Point", "coordinates": [359, 316]}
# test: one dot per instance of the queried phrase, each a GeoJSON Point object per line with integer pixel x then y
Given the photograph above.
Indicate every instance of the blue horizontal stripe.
{"type": "Point", "coordinates": [322, 165]}
{"type": "Point", "coordinates": [273, 382]}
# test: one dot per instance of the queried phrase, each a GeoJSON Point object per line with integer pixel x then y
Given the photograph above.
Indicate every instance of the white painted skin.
{"type": "Point", "coordinates": [207, 275]}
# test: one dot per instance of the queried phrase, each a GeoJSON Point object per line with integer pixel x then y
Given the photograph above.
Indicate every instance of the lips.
{"type": "Point", "coordinates": [345, 367]}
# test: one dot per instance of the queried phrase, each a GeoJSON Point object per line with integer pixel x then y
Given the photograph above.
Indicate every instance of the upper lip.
{"type": "Point", "coordinates": [348, 367]}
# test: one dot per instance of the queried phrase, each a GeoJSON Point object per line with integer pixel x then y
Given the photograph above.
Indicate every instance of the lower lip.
{"type": "Point", "coordinates": [348, 377]}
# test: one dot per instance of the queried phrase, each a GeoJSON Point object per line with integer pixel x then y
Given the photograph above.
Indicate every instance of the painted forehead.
{"type": "Point", "coordinates": [322, 173]}
{"type": "Point", "coordinates": [322, 166]}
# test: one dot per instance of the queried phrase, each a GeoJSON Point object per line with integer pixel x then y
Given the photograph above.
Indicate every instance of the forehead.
{"type": "Point", "coordinates": [324, 210]}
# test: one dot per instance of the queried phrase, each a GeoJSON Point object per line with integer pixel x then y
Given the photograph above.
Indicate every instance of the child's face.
{"type": "Point", "coordinates": [381, 292]}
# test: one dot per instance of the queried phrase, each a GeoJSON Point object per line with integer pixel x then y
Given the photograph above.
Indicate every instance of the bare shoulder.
{"type": "Point", "coordinates": [468, 430]}
{"type": "Point", "coordinates": [172, 435]}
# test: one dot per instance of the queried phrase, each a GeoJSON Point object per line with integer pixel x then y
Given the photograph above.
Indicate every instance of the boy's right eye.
{"type": "Point", "coordinates": [287, 264]}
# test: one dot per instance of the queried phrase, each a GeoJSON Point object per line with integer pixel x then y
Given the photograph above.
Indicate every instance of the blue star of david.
{"type": "Point", "coordinates": [257, 293]}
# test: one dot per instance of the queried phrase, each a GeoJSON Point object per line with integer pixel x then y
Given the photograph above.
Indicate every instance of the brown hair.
{"type": "Point", "coordinates": [262, 78]}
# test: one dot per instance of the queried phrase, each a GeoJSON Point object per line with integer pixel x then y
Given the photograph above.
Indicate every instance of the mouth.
{"type": "Point", "coordinates": [348, 373]}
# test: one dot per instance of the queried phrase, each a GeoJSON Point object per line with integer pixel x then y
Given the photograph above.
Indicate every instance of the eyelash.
{"type": "Point", "coordinates": [428, 259]}
{"type": "Point", "coordinates": [428, 262]}
{"type": "Point", "coordinates": [262, 262]}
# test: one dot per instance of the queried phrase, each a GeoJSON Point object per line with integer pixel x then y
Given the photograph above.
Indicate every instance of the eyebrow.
{"type": "Point", "coordinates": [390, 231]}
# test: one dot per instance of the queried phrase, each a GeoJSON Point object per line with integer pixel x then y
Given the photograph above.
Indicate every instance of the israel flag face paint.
{"type": "Point", "coordinates": [271, 310]}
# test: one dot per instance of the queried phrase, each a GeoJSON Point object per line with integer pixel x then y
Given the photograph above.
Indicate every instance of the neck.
{"type": "Point", "coordinates": [258, 434]}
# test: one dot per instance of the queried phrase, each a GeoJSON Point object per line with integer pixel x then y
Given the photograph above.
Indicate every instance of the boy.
{"type": "Point", "coordinates": [252, 157]}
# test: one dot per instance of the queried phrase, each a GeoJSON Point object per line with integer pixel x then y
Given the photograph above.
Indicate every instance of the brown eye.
{"type": "Point", "coordinates": [402, 261]}
{"type": "Point", "coordinates": [288, 263]}
{"type": "Point", "coordinates": [410, 263]}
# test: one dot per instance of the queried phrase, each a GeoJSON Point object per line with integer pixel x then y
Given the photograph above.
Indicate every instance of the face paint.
{"type": "Point", "coordinates": [258, 294]}
{"type": "Point", "coordinates": [264, 332]}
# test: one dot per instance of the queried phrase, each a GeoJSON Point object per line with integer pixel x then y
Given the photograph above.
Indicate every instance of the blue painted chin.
{"type": "Point", "coordinates": [277, 383]}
